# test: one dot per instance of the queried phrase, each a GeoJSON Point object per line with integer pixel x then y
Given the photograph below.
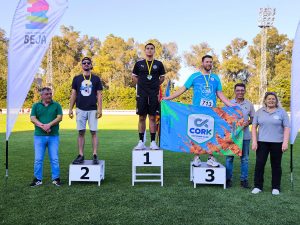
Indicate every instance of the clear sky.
{"type": "Point", "coordinates": [186, 22]}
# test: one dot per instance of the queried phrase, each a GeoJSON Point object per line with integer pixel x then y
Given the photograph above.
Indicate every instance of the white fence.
{"type": "Point", "coordinates": [66, 112]}
{"type": "Point", "coordinates": [105, 111]}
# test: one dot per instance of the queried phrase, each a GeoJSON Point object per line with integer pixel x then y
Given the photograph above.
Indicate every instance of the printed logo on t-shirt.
{"type": "Point", "coordinates": [155, 67]}
{"type": "Point", "coordinates": [276, 117]}
{"type": "Point", "coordinates": [206, 91]}
{"type": "Point", "coordinates": [86, 88]}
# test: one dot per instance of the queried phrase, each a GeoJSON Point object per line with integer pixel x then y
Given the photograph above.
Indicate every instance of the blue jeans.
{"type": "Point", "coordinates": [244, 162]}
{"type": "Point", "coordinates": [40, 144]}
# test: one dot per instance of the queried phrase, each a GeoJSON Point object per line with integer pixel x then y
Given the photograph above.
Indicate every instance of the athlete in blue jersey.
{"type": "Point", "coordinates": [207, 87]}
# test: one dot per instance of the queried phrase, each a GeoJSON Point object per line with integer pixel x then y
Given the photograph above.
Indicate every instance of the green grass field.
{"type": "Point", "coordinates": [116, 201]}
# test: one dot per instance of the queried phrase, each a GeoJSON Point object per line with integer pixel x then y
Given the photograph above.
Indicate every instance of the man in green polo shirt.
{"type": "Point", "coordinates": [46, 115]}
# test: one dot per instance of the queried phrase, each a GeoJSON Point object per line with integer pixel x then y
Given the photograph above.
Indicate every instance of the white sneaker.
{"type": "Point", "coordinates": [275, 192]}
{"type": "Point", "coordinates": [196, 161]}
{"type": "Point", "coordinates": [211, 161]}
{"type": "Point", "coordinates": [255, 191]}
{"type": "Point", "coordinates": [140, 146]}
{"type": "Point", "coordinates": [153, 145]}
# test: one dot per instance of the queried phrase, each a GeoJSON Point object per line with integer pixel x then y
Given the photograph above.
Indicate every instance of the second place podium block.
{"type": "Point", "coordinates": [87, 172]}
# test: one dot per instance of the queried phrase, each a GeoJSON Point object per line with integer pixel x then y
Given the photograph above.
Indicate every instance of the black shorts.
{"type": "Point", "coordinates": [147, 105]}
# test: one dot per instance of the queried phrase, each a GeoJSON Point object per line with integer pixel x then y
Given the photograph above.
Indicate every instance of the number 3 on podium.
{"type": "Point", "coordinates": [210, 174]}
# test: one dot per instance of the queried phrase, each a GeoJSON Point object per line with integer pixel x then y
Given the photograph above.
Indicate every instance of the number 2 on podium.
{"type": "Point", "coordinates": [84, 176]}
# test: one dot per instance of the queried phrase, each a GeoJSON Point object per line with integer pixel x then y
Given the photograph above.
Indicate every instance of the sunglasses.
{"type": "Point", "coordinates": [86, 63]}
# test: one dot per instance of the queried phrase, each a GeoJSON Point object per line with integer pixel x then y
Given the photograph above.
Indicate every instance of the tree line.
{"type": "Point", "coordinates": [114, 58]}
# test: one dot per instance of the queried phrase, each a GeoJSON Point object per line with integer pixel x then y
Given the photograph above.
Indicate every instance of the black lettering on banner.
{"type": "Point", "coordinates": [84, 177]}
{"type": "Point", "coordinates": [43, 39]}
{"type": "Point", "coordinates": [210, 174]}
{"type": "Point", "coordinates": [26, 39]}
{"type": "Point", "coordinates": [32, 39]}
{"type": "Point", "coordinates": [147, 158]}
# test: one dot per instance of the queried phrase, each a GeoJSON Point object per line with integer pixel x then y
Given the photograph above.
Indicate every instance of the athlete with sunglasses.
{"type": "Point", "coordinates": [87, 94]}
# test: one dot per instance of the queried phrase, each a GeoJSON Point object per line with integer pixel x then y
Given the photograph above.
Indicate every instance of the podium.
{"type": "Point", "coordinates": [206, 174]}
{"type": "Point", "coordinates": [147, 158]}
{"type": "Point", "coordinates": [87, 172]}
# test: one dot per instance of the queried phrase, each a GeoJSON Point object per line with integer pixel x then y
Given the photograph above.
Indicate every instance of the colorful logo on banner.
{"type": "Point", "coordinates": [200, 127]}
{"type": "Point", "coordinates": [36, 20]}
{"type": "Point", "coordinates": [32, 28]}
{"type": "Point", "coordinates": [201, 130]}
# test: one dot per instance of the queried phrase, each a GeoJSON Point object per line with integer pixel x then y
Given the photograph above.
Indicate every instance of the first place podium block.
{"type": "Point", "coordinates": [87, 172]}
{"type": "Point", "coordinates": [205, 174]}
{"type": "Point", "coordinates": [147, 158]}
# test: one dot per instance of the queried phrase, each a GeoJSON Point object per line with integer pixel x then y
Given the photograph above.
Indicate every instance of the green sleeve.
{"type": "Point", "coordinates": [33, 110]}
{"type": "Point", "coordinates": [59, 109]}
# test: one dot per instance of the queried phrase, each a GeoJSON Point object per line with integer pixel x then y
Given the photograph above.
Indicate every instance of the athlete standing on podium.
{"type": "Point", "coordinates": [148, 74]}
{"type": "Point", "coordinates": [87, 94]}
{"type": "Point", "coordinates": [206, 88]}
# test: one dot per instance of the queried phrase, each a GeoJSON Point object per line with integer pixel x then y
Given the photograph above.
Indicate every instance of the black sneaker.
{"type": "Point", "coordinates": [79, 159]}
{"type": "Point", "coordinates": [56, 182]}
{"type": "Point", "coordinates": [95, 159]}
{"type": "Point", "coordinates": [245, 184]}
{"type": "Point", "coordinates": [36, 182]}
{"type": "Point", "coordinates": [228, 183]}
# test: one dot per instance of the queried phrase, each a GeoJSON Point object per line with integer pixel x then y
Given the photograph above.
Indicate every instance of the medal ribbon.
{"type": "Point", "coordinates": [206, 80]}
{"type": "Point", "coordinates": [149, 68]}
{"type": "Point", "coordinates": [89, 77]}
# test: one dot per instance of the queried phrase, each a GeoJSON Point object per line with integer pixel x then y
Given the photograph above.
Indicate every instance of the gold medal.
{"type": "Point", "coordinates": [149, 76]}
{"type": "Point", "coordinates": [86, 83]}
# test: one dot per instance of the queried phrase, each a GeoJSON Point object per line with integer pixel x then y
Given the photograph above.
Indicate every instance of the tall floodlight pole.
{"type": "Point", "coordinates": [49, 72]}
{"type": "Point", "coordinates": [266, 20]}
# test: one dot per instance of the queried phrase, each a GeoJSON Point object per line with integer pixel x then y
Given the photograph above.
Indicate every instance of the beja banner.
{"type": "Point", "coordinates": [32, 28]}
{"type": "Point", "coordinates": [201, 130]}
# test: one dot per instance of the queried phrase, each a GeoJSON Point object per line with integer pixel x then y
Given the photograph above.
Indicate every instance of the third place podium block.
{"type": "Point", "coordinates": [147, 158]}
{"type": "Point", "coordinates": [87, 172]}
{"type": "Point", "coordinates": [205, 174]}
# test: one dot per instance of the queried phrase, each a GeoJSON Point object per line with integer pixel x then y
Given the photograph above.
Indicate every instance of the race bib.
{"type": "Point", "coordinates": [206, 103]}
